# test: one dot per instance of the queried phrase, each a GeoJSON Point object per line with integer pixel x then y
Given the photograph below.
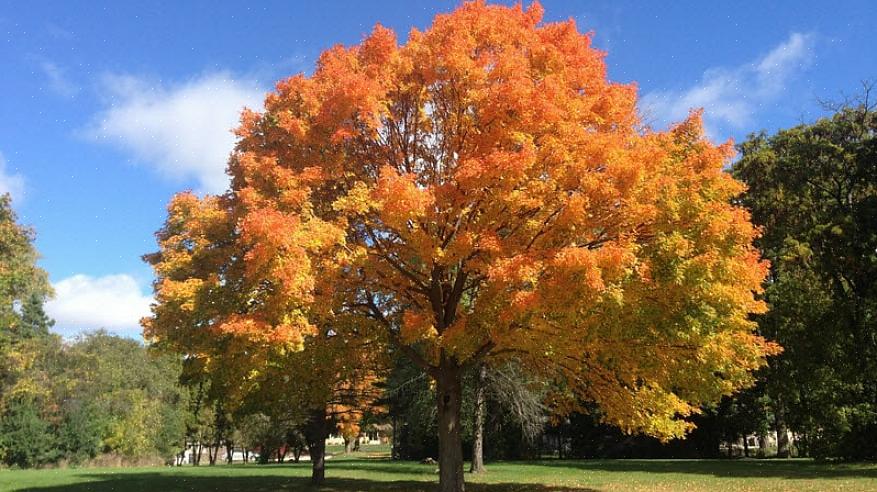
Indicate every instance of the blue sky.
{"type": "Point", "coordinates": [109, 108]}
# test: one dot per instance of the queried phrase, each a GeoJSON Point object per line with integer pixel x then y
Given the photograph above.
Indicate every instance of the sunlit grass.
{"type": "Point", "coordinates": [362, 473]}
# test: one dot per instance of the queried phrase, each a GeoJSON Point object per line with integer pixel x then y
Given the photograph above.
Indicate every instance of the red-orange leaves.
{"type": "Point", "coordinates": [417, 327]}
{"type": "Point", "coordinates": [401, 201]}
{"type": "Point", "coordinates": [379, 52]}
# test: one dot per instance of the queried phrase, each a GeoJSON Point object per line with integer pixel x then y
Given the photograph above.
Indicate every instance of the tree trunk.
{"type": "Point", "coordinates": [745, 445]}
{"type": "Point", "coordinates": [478, 424]}
{"type": "Point", "coordinates": [212, 452]}
{"type": "Point", "coordinates": [229, 452]}
{"type": "Point", "coordinates": [782, 435]}
{"type": "Point", "coordinates": [348, 445]}
{"type": "Point", "coordinates": [198, 454]}
{"type": "Point", "coordinates": [560, 441]}
{"type": "Point", "coordinates": [448, 396]}
{"type": "Point", "coordinates": [762, 445]}
{"type": "Point", "coordinates": [394, 447]}
{"type": "Point", "coordinates": [316, 433]}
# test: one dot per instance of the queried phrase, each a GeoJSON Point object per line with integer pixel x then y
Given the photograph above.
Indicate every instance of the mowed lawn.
{"type": "Point", "coordinates": [364, 473]}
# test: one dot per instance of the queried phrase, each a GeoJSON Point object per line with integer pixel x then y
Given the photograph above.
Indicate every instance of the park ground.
{"type": "Point", "coordinates": [372, 471]}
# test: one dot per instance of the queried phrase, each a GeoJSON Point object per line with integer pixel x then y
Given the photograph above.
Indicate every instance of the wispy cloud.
{"type": "Point", "coordinates": [731, 97]}
{"type": "Point", "coordinates": [604, 21]}
{"type": "Point", "coordinates": [57, 79]}
{"type": "Point", "coordinates": [58, 32]}
{"type": "Point", "coordinates": [182, 130]}
{"type": "Point", "coordinates": [113, 302]}
{"type": "Point", "coordinates": [12, 183]}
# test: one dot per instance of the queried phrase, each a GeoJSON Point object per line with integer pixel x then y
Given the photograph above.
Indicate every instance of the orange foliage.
{"type": "Point", "coordinates": [483, 190]}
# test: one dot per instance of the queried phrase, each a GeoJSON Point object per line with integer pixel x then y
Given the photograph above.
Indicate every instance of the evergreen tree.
{"type": "Point", "coordinates": [34, 322]}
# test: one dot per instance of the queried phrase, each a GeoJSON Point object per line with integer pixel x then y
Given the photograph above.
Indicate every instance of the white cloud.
{"type": "Point", "coordinates": [183, 130]}
{"type": "Point", "coordinates": [731, 97]}
{"type": "Point", "coordinates": [112, 302]}
{"type": "Point", "coordinates": [57, 79]}
{"type": "Point", "coordinates": [12, 183]}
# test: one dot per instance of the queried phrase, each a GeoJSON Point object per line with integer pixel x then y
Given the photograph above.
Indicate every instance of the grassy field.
{"type": "Point", "coordinates": [370, 473]}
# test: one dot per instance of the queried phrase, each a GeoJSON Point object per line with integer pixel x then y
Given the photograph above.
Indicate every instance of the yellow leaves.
{"type": "Point", "coordinates": [356, 201]}
{"type": "Point", "coordinates": [738, 352]}
{"type": "Point", "coordinates": [654, 411]}
{"type": "Point", "coordinates": [181, 293]}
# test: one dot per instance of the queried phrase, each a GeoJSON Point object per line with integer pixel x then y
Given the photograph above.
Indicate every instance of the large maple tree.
{"type": "Point", "coordinates": [483, 191]}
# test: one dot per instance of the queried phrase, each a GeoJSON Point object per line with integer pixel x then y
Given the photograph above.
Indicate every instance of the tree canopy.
{"type": "Point", "coordinates": [480, 191]}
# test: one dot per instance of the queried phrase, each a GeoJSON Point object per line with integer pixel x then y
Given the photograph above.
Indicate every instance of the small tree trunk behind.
{"type": "Point", "coordinates": [782, 435]}
{"type": "Point", "coordinates": [448, 396]}
{"type": "Point", "coordinates": [560, 441]}
{"type": "Point", "coordinates": [316, 433]}
{"type": "Point", "coordinates": [478, 423]}
{"type": "Point", "coordinates": [212, 453]}
{"type": "Point", "coordinates": [762, 445]}
{"type": "Point", "coordinates": [198, 454]}
{"type": "Point", "coordinates": [745, 445]}
{"type": "Point", "coordinates": [394, 447]}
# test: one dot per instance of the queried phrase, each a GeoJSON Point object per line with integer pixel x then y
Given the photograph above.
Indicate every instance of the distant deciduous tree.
{"type": "Point", "coordinates": [813, 189]}
{"type": "Point", "coordinates": [23, 288]}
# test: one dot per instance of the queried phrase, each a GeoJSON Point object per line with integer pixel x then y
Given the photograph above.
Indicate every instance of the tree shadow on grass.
{"type": "Point", "coordinates": [764, 468]}
{"type": "Point", "coordinates": [168, 482]}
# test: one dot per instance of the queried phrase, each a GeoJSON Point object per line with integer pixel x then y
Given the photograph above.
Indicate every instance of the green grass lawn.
{"type": "Point", "coordinates": [369, 473]}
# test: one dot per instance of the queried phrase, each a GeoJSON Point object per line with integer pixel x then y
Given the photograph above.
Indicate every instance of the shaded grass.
{"type": "Point", "coordinates": [363, 473]}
